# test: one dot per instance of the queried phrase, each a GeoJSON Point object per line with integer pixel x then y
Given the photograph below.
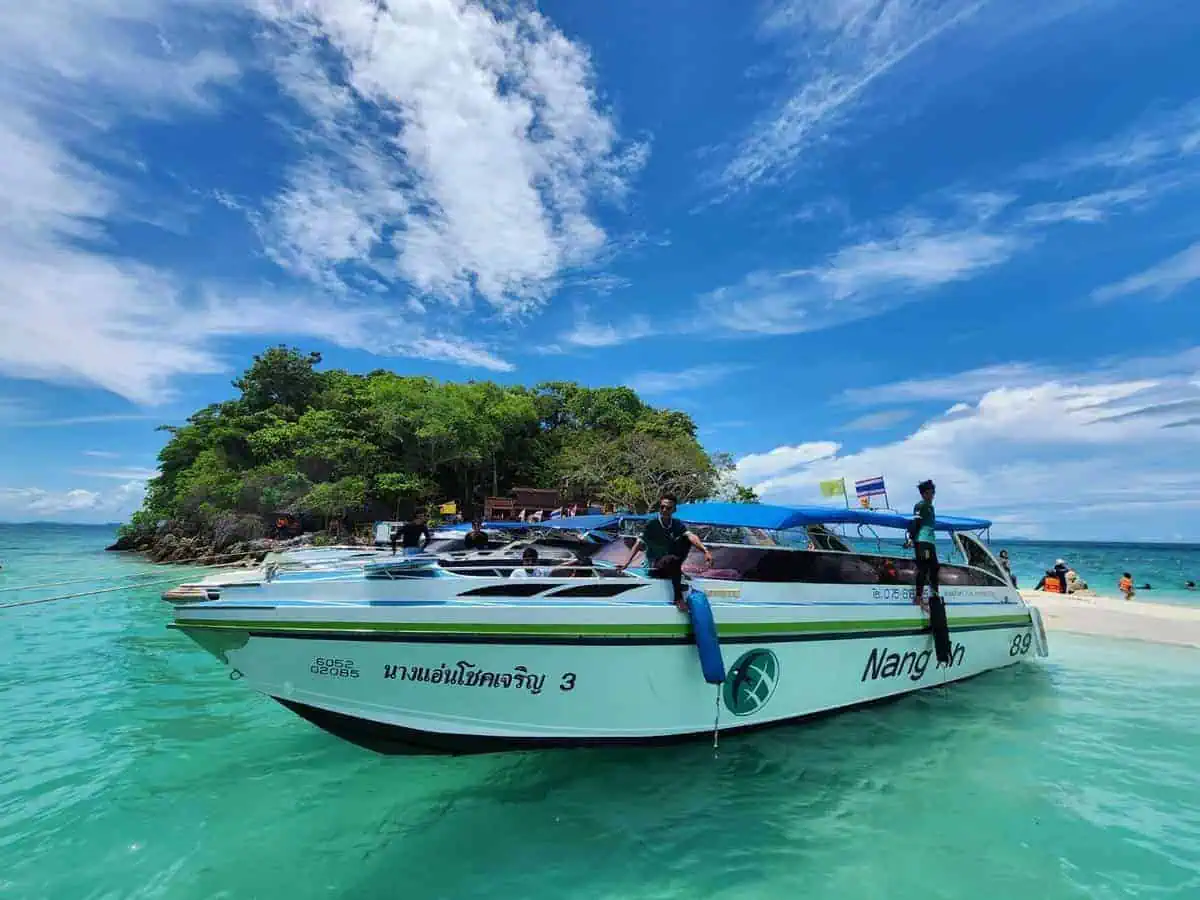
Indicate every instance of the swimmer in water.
{"type": "Point", "coordinates": [1191, 586]}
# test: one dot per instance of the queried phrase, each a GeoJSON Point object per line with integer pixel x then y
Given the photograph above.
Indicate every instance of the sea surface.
{"type": "Point", "coordinates": [132, 767]}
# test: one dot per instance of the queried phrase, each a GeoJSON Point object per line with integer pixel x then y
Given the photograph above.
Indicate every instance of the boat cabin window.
{"type": "Point", "coordinates": [977, 556]}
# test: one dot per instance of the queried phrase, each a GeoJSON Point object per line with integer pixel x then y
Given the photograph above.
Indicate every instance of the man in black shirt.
{"type": "Point", "coordinates": [667, 541]}
{"type": "Point", "coordinates": [476, 538]}
{"type": "Point", "coordinates": [411, 534]}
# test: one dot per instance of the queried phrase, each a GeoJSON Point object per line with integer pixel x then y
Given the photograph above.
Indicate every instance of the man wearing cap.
{"type": "Point", "coordinates": [1060, 569]}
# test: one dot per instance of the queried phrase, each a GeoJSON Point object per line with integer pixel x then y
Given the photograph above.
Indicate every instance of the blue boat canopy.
{"type": "Point", "coordinates": [501, 525]}
{"type": "Point", "coordinates": [778, 518]}
{"type": "Point", "coordinates": [582, 523]}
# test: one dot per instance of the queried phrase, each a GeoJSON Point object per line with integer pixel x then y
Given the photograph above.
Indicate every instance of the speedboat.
{"type": "Point", "coordinates": [561, 542]}
{"type": "Point", "coordinates": [804, 610]}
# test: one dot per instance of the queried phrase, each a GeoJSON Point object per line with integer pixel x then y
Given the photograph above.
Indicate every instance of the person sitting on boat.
{"type": "Point", "coordinates": [666, 541]}
{"type": "Point", "coordinates": [411, 534]}
{"type": "Point", "coordinates": [529, 567]}
{"type": "Point", "coordinates": [476, 538]}
{"type": "Point", "coordinates": [1007, 567]}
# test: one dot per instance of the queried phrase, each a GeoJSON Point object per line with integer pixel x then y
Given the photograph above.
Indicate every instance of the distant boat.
{"type": "Point", "coordinates": [449, 659]}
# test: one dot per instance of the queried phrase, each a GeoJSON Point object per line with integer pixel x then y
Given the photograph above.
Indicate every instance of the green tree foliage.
{"type": "Point", "coordinates": [341, 446]}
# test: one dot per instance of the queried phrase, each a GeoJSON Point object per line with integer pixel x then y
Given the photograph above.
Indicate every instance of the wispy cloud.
{"type": "Point", "coordinates": [680, 380]}
{"type": "Point", "coordinates": [1088, 209]}
{"type": "Point", "coordinates": [587, 333]}
{"type": "Point", "coordinates": [857, 282]}
{"type": "Point", "coordinates": [128, 473]}
{"type": "Point", "coordinates": [80, 420]}
{"type": "Point", "coordinates": [1156, 141]}
{"type": "Point", "coordinates": [1161, 280]}
{"type": "Point", "coordinates": [102, 454]}
{"type": "Point", "coordinates": [878, 421]}
{"type": "Point", "coordinates": [969, 385]}
{"type": "Point", "coordinates": [844, 48]}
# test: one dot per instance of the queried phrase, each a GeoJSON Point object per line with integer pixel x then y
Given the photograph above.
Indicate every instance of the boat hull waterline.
{"type": "Point", "coordinates": [455, 686]}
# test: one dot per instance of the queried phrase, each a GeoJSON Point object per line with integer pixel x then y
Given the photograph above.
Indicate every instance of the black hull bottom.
{"type": "Point", "coordinates": [398, 740]}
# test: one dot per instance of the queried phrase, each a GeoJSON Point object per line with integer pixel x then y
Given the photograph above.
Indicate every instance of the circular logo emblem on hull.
{"type": "Point", "coordinates": [751, 682]}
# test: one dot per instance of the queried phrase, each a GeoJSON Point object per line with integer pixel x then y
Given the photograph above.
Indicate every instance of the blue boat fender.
{"type": "Point", "coordinates": [704, 630]}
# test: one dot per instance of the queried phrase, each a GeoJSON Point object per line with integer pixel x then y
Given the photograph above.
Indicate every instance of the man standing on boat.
{"type": "Point", "coordinates": [922, 532]}
{"type": "Point", "coordinates": [411, 534]}
{"type": "Point", "coordinates": [666, 541]}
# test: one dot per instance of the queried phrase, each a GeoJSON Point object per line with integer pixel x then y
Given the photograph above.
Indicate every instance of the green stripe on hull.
{"type": "Point", "coordinates": [728, 629]}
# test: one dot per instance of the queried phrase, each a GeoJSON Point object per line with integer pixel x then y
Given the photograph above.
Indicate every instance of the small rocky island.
{"type": "Point", "coordinates": [302, 456]}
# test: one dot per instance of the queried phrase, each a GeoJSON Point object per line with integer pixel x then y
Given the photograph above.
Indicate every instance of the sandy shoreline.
{"type": "Point", "coordinates": [1112, 617]}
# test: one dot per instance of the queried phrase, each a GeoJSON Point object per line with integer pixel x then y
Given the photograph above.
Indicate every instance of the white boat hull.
{"type": "Point", "coordinates": [433, 679]}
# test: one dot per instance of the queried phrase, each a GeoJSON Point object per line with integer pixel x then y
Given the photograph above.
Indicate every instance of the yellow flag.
{"type": "Point", "coordinates": [834, 488]}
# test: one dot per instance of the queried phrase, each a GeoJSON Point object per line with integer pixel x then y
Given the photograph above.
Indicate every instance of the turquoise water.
{"type": "Point", "coordinates": [1165, 567]}
{"type": "Point", "coordinates": [132, 767]}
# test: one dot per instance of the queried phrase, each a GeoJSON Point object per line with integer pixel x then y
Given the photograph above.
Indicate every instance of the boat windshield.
{"type": "Point", "coordinates": [816, 554]}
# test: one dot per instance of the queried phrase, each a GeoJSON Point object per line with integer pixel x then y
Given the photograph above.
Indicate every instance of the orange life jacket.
{"type": "Point", "coordinates": [1125, 586]}
{"type": "Point", "coordinates": [1052, 585]}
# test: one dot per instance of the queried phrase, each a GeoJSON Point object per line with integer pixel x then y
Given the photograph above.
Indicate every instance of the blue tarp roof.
{"type": "Point", "coordinates": [762, 515]}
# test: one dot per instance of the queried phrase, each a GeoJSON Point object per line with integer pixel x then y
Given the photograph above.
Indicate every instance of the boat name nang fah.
{"type": "Point", "coordinates": [804, 610]}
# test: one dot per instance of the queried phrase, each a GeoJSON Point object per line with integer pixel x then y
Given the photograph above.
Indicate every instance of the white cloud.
{"type": "Point", "coordinates": [71, 505]}
{"type": "Point", "coordinates": [758, 468]}
{"type": "Point", "coordinates": [497, 207]}
{"type": "Point", "coordinates": [101, 454]}
{"type": "Point", "coordinates": [1157, 140]}
{"type": "Point", "coordinates": [1089, 209]}
{"type": "Point", "coordinates": [689, 379]}
{"type": "Point", "coordinates": [878, 421]}
{"type": "Point", "coordinates": [843, 47]}
{"type": "Point", "coordinates": [126, 474]}
{"type": "Point", "coordinates": [454, 145]}
{"type": "Point", "coordinates": [1026, 453]}
{"type": "Point", "coordinates": [1162, 279]}
{"type": "Point", "coordinates": [586, 333]}
{"type": "Point", "coordinates": [858, 281]}
{"type": "Point", "coordinates": [961, 385]}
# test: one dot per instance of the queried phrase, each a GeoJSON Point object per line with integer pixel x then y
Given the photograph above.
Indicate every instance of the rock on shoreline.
{"type": "Point", "coordinates": [169, 547]}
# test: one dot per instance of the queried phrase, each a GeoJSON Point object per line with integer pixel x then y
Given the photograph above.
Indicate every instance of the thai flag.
{"type": "Point", "coordinates": [869, 487]}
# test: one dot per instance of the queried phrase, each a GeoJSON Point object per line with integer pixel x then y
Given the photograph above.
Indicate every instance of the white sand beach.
{"type": "Point", "coordinates": [1113, 617]}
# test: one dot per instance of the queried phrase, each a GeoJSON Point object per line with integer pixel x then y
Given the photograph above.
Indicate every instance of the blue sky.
{"type": "Point", "coordinates": [955, 240]}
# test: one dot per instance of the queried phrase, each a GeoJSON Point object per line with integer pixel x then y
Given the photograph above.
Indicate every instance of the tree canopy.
{"type": "Point", "coordinates": [332, 444]}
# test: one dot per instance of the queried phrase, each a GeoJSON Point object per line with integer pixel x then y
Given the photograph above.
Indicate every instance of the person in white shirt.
{"type": "Point", "coordinates": [529, 567]}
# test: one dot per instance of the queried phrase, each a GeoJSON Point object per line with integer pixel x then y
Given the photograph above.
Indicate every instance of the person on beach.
{"type": "Point", "coordinates": [923, 541]}
{"type": "Point", "coordinates": [666, 541]}
{"type": "Point", "coordinates": [1061, 569]}
{"type": "Point", "coordinates": [476, 538]}
{"type": "Point", "coordinates": [1007, 567]}
{"type": "Point", "coordinates": [1125, 586]}
{"type": "Point", "coordinates": [411, 534]}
